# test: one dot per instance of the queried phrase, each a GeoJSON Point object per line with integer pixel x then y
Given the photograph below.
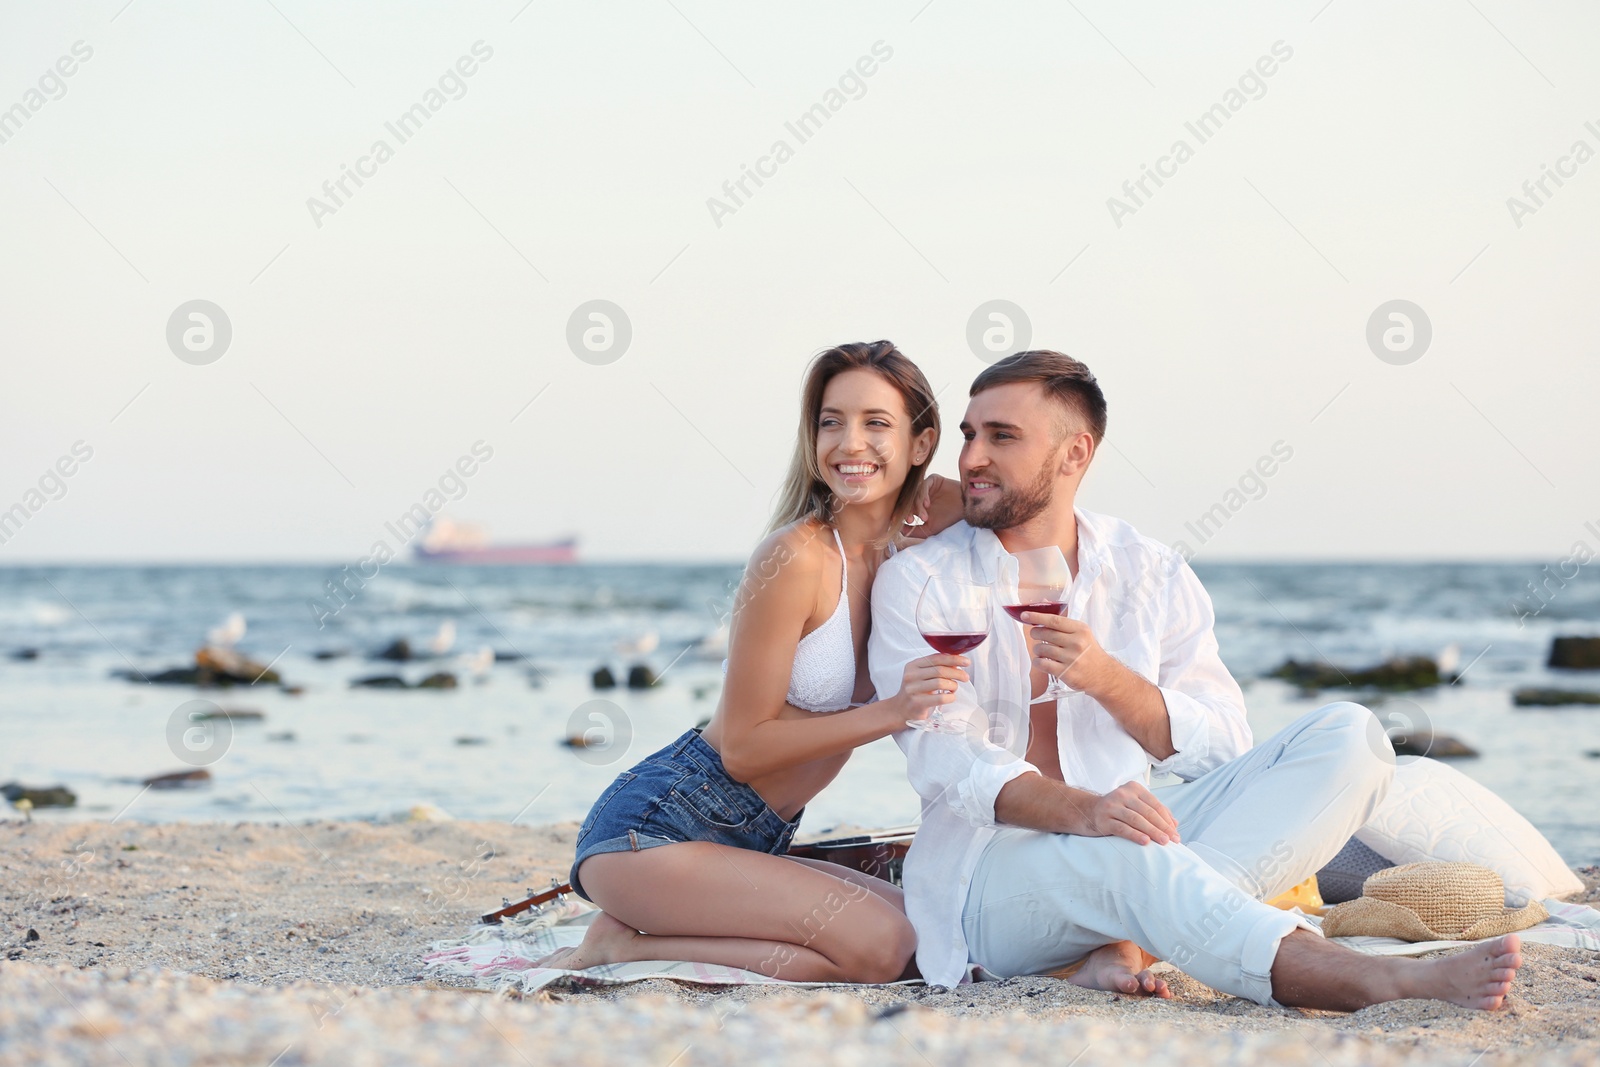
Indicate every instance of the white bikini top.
{"type": "Point", "coordinates": [824, 675]}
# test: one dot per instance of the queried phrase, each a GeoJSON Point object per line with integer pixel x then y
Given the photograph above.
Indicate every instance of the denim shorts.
{"type": "Point", "coordinates": [680, 794]}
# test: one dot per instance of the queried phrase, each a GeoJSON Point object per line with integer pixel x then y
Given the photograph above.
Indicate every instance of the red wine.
{"type": "Point", "coordinates": [1044, 607]}
{"type": "Point", "coordinates": [955, 644]}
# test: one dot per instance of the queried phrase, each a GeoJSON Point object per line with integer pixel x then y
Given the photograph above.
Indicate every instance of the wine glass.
{"type": "Point", "coordinates": [953, 617]}
{"type": "Point", "coordinates": [1043, 579]}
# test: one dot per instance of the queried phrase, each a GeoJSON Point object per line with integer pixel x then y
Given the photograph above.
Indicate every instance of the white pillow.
{"type": "Point", "coordinates": [1436, 813]}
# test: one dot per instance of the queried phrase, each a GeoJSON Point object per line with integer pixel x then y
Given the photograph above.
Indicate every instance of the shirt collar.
{"type": "Point", "coordinates": [1093, 559]}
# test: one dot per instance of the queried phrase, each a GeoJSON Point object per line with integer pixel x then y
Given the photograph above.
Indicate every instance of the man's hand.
{"type": "Point", "coordinates": [1067, 649]}
{"type": "Point", "coordinates": [1042, 803]}
{"type": "Point", "coordinates": [1132, 811]}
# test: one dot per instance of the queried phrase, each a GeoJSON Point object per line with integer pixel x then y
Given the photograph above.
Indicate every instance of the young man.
{"type": "Point", "coordinates": [1041, 846]}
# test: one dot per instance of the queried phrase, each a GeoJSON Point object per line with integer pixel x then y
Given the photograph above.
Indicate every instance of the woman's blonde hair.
{"type": "Point", "coordinates": [805, 492]}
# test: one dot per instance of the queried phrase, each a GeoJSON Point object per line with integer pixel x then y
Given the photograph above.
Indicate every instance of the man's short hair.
{"type": "Point", "coordinates": [1063, 378]}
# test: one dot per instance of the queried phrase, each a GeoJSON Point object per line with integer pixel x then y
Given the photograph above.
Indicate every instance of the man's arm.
{"type": "Point", "coordinates": [1129, 811]}
{"type": "Point", "coordinates": [1193, 719]}
{"type": "Point", "coordinates": [1204, 703]}
{"type": "Point", "coordinates": [1067, 648]}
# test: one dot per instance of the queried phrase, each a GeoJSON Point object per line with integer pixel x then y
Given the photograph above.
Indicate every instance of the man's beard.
{"type": "Point", "coordinates": [1015, 506]}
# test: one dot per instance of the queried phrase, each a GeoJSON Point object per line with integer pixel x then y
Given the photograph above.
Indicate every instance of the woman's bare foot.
{"type": "Point", "coordinates": [1478, 977]}
{"type": "Point", "coordinates": [1121, 967]}
{"type": "Point", "coordinates": [607, 941]}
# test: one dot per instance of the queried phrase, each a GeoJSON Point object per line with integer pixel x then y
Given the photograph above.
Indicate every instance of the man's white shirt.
{"type": "Point", "coordinates": [1145, 607]}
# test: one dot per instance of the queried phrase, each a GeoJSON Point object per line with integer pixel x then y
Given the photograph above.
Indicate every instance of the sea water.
{"type": "Point", "coordinates": [492, 748]}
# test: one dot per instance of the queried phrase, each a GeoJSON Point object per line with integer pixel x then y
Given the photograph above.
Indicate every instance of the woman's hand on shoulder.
{"type": "Point", "coordinates": [940, 507]}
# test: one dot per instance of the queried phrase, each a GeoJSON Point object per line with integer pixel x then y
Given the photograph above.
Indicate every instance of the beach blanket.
{"type": "Point", "coordinates": [501, 956]}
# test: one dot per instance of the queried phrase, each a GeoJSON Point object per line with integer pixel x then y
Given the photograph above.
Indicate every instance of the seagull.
{"type": "Point", "coordinates": [228, 634]}
{"type": "Point", "coordinates": [714, 645]}
{"type": "Point", "coordinates": [642, 645]}
{"type": "Point", "coordinates": [479, 662]}
{"type": "Point", "coordinates": [49, 614]}
{"type": "Point", "coordinates": [440, 642]}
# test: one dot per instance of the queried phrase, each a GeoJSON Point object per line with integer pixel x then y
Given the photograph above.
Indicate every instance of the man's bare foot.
{"type": "Point", "coordinates": [1477, 977]}
{"type": "Point", "coordinates": [1121, 967]}
{"type": "Point", "coordinates": [606, 942]}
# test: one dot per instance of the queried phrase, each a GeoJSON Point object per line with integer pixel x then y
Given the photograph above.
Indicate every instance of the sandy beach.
{"type": "Point", "coordinates": [252, 943]}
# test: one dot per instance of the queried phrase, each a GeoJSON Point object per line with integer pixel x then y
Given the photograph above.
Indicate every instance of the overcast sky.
{"type": "Point", "coordinates": [377, 336]}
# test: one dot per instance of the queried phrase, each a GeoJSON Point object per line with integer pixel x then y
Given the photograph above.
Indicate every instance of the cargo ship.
{"type": "Point", "coordinates": [453, 542]}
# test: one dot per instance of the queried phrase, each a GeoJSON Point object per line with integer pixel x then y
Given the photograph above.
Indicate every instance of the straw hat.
{"type": "Point", "coordinates": [1431, 902]}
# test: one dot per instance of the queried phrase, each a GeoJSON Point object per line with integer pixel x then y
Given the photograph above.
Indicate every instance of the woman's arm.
{"type": "Point", "coordinates": [776, 597]}
{"type": "Point", "coordinates": [772, 745]}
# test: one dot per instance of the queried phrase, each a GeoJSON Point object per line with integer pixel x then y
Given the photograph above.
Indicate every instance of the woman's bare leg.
{"type": "Point", "coordinates": [715, 904]}
{"type": "Point", "coordinates": [871, 883]}
{"type": "Point", "coordinates": [880, 887]}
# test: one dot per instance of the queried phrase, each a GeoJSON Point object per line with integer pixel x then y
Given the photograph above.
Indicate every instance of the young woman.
{"type": "Point", "coordinates": [688, 846]}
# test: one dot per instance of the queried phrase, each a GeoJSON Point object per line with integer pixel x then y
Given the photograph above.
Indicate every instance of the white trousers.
{"type": "Point", "coordinates": [1252, 828]}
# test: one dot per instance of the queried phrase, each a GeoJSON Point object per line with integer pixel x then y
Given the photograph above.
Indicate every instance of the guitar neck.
{"type": "Point", "coordinates": [526, 905]}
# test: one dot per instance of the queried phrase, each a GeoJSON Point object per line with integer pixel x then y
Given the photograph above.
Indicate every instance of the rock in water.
{"type": "Point", "coordinates": [438, 680]}
{"type": "Point", "coordinates": [640, 676]}
{"type": "Point", "coordinates": [25, 654]}
{"type": "Point", "coordinates": [179, 779]}
{"type": "Point", "coordinates": [399, 650]}
{"type": "Point", "coordinates": [233, 714]}
{"type": "Point", "coordinates": [1412, 672]}
{"type": "Point", "coordinates": [1438, 746]}
{"type": "Point", "coordinates": [330, 653]}
{"type": "Point", "coordinates": [602, 678]}
{"type": "Point", "coordinates": [224, 666]}
{"type": "Point", "coordinates": [170, 676]}
{"type": "Point", "coordinates": [1552, 698]}
{"type": "Point", "coordinates": [1575, 653]}
{"type": "Point", "coordinates": [380, 681]}
{"type": "Point", "coordinates": [212, 667]}
{"type": "Point", "coordinates": [51, 796]}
